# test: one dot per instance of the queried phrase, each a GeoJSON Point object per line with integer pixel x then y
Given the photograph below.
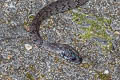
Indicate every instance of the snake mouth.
{"type": "Point", "coordinates": [77, 60]}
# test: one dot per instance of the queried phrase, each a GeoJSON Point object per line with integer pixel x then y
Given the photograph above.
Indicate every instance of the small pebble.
{"type": "Point", "coordinates": [28, 47]}
{"type": "Point", "coordinates": [9, 57]}
{"type": "Point", "coordinates": [106, 72]}
{"type": "Point", "coordinates": [117, 33]}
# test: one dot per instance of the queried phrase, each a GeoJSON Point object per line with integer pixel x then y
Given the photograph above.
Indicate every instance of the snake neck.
{"type": "Point", "coordinates": [51, 9]}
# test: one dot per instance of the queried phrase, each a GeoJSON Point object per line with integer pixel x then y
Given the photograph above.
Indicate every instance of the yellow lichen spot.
{"type": "Point", "coordinates": [41, 77]}
{"type": "Point", "coordinates": [26, 25]}
{"type": "Point", "coordinates": [29, 76]}
{"type": "Point", "coordinates": [32, 67]}
{"type": "Point", "coordinates": [56, 59]}
{"type": "Point", "coordinates": [85, 65]}
{"type": "Point", "coordinates": [31, 16]}
{"type": "Point", "coordinates": [104, 76]}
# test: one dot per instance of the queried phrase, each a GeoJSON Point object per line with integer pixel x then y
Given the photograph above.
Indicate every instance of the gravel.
{"type": "Point", "coordinates": [20, 63]}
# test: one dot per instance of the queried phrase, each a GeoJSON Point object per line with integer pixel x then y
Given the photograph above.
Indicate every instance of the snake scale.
{"type": "Point", "coordinates": [64, 50]}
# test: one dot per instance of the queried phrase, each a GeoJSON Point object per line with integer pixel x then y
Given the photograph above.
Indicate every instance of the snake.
{"type": "Point", "coordinates": [65, 51]}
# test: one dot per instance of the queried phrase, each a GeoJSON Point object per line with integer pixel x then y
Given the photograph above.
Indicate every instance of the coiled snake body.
{"type": "Point", "coordinates": [64, 50]}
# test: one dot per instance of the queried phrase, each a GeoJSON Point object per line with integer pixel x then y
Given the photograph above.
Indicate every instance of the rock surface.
{"type": "Point", "coordinates": [17, 63]}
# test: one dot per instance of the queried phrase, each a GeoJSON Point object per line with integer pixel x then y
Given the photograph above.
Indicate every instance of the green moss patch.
{"type": "Point", "coordinates": [97, 28]}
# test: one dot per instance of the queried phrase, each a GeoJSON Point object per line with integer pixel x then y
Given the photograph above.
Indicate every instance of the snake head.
{"type": "Point", "coordinates": [71, 54]}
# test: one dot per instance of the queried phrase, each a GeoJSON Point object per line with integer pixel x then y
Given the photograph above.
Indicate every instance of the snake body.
{"type": "Point", "coordinates": [64, 50]}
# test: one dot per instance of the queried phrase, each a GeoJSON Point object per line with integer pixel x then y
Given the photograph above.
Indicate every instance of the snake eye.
{"type": "Point", "coordinates": [73, 59]}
